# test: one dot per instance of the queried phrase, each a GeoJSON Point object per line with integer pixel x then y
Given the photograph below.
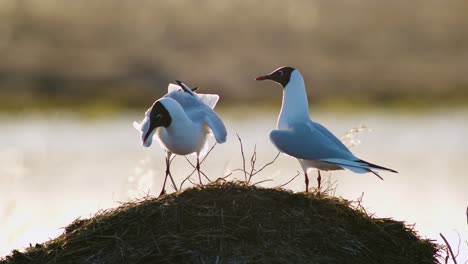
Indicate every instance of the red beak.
{"type": "Point", "coordinates": [261, 78]}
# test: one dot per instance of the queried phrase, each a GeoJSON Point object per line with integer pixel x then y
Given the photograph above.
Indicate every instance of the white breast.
{"type": "Point", "coordinates": [183, 138]}
{"type": "Point", "coordinates": [295, 106]}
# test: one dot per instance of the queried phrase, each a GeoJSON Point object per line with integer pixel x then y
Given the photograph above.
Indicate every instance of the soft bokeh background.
{"type": "Point", "coordinates": [75, 74]}
{"type": "Point", "coordinates": [120, 52]}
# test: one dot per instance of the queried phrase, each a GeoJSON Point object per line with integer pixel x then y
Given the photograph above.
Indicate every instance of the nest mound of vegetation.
{"type": "Point", "coordinates": [233, 223]}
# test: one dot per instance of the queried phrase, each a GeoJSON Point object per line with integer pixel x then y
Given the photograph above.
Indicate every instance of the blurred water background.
{"type": "Point", "coordinates": [74, 76]}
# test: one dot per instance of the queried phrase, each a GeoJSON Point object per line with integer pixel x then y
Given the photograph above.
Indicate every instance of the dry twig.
{"type": "Point", "coordinates": [195, 168]}
{"type": "Point", "coordinates": [449, 248]}
{"type": "Point", "coordinates": [288, 182]}
{"type": "Point", "coordinates": [243, 157]}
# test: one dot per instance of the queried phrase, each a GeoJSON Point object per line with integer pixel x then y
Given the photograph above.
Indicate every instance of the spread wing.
{"type": "Point", "coordinates": [209, 99]}
{"type": "Point", "coordinates": [216, 125]}
{"type": "Point", "coordinates": [199, 108]}
{"type": "Point", "coordinates": [305, 141]}
{"type": "Point", "coordinates": [187, 97]}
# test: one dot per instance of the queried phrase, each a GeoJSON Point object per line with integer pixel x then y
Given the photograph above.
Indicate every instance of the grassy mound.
{"type": "Point", "coordinates": [233, 223]}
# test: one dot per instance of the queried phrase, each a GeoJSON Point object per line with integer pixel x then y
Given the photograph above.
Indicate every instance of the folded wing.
{"type": "Point", "coordinates": [305, 142]}
{"type": "Point", "coordinates": [310, 142]}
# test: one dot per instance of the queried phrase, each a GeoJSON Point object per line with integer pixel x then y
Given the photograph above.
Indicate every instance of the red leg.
{"type": "Point", "coordinates": [306, 181]}
{"type": "Point", "coordinates": [319, 180]}
{"type": "Point", "coordinates": [168, 172]}
{"type": "Point", "coordinates": [163, 191]}
{"type": "Point", "coordinates": [198, 170]}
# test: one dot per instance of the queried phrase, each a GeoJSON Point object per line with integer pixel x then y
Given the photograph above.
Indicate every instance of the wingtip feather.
{"type": "Point", "coordinates": [376, 174]}
{"type": "Point", "coordinates": [137, 125]}
{"type": "Point", "coordinates": [374, 166]}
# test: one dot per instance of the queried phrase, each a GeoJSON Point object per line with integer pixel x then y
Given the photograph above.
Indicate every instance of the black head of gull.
{"type": "Point", "coordinates": [281, 75]}
{"type": "Point", "coordinates": [158, 116]}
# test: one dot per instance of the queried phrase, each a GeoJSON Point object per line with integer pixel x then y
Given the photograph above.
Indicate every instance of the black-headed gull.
{"type": "Point", "coordinates": [181, 120]}
{"type": "Point", "coordinates": [308, 141]}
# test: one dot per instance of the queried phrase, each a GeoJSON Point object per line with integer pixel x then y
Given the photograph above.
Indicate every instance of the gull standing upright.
{"type": "Point", "coordinates": [308, 141]}
{"type": "Point", "coordinates": [181, 120]}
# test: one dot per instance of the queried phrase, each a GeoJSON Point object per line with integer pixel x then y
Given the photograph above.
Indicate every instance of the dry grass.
{"type": "Point", "coordinates": [227, 222]}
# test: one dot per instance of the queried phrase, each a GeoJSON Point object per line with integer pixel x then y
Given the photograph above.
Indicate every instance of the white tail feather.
{"type": "Point", "coordinates": [354, 166]}
{"type": "Point", "coordinates": [209, 99]}
{"type": "Point", "coordinates": [349, 164]}
{"type": "Point", "coordinates": [173, 87]}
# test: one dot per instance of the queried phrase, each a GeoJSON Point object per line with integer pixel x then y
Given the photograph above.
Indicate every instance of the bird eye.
{"type": "Point", "coordinates": [280, 72]}
{"type": "Point", "coordinates": [156, 116]}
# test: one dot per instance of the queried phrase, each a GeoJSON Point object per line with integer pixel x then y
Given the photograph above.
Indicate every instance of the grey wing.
{"type": "Point", "coordinates": [325, 132]}
{"type": "Point", "coordinates": [185, 100]}
{"type": "Point", "coordinates": [305, 142]}
{"type": "Point", "coordinates": [188, 101]}
{"type": "Point", "coordinates": [200, 112]}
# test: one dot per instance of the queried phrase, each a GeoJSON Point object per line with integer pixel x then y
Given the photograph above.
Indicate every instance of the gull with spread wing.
{"type": "Point", "coordinates": [181, 121]}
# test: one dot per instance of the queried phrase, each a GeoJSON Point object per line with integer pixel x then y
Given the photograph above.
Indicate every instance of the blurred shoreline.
{"type": "Point", "coordinates": [340, 105]}
{"type": "Point", "coordinates": [237, 110]}
{"type": "Point", "coordinates": [120, 53]}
